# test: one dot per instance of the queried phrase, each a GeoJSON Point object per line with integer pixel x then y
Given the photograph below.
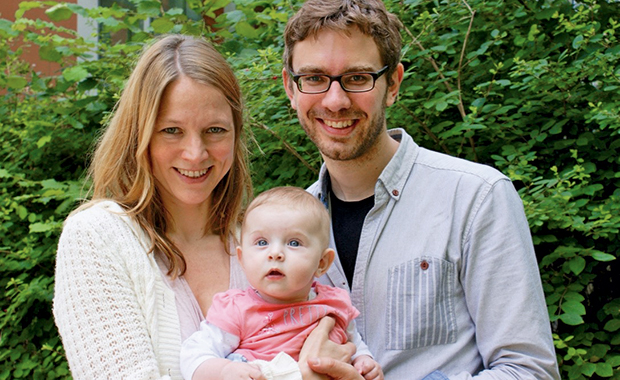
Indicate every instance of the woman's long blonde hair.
{"type": "Point", "coordinates": [121, 168]}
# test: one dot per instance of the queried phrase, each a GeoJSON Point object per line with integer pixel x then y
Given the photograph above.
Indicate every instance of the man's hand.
{"type": "Point", "coordinates": [334, 369]}
{"type": "Point", "coordinates": [318, 345]}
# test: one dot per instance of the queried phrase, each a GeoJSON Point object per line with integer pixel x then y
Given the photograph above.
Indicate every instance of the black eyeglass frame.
{"type": "Point", "coordinates": [338, 78]}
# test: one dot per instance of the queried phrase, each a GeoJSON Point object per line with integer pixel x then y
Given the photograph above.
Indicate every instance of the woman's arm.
{"type": "Point", "coordinates": [102, 282]}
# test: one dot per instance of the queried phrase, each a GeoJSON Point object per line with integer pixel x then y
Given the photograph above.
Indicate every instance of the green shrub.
{"type": "Point", "coordinates": [528, 87]}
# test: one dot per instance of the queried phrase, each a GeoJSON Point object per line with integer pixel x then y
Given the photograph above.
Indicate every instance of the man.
{"type": "Point", "coordinates": [435, 250]}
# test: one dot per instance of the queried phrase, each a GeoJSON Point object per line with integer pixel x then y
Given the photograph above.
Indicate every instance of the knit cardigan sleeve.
{"type": "Point", "coordinates": [104, 298]}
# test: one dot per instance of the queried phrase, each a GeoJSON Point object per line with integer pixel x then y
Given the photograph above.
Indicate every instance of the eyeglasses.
{"type": "Point", "coordinates": [350, 82]}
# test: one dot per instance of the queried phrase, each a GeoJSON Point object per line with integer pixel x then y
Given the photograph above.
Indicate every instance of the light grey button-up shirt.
{"type": "Point", "coordinates": [446, 278]}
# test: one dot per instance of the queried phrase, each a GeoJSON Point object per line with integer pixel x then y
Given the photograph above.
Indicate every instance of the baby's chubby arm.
{"type": "Point", "coordinates": [363, 361]}
{"type": "Point", "coordinates": [368, 367]}
{"type": "Point", "coordinates": [203, 353]}
{"type": "Point", "coordinates": [217, 369]}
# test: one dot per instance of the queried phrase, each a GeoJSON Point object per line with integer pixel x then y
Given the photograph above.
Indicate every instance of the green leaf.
{"type": "Point", "coordinates": [601, 256]}
{"type": "Point", "coordinates": [441, 105]}
{"type": "Point", "coordinates": [149, 8]}
{"type": "Point", "coordinates": [613, 360]}
{"type": "Point", "coordinates": [6, 30]}
{"type": "Point", "coordinates": [598, 351]}
{"type": "Point", "coordinates": [49, 53]}
{"type": "Point", "coordinates": [43, 140]}
{"type": "Point", "coordinates": [75, 73]}
{"type": "Point", "coordinates": [571, 319]}
{"type": "Point", "coordinates": [612, 325]}
{"type": "Point", "coordinates": [577, 42]}
{"type": "Point", "coordinates": [218, 4]}
{"type": "Point", "coordinates": [588, 369]}
{"type": "Point", "coordinates": [25, 6]}
{"type": "Point", "coordinates": [59, 12]}
{"type": "Point", "coordinates": [577, 264]}
{"type": "Point", "coordinates": [16, 82]}
{"type": "Point", "coordinates": [574, 307]}
{"type": "Point", "coordinates": [246, 30]}
{"type": "Point", "coordinates": [52, 184]}
{"type": "Point", "coordinates": [235, 16]}
{"type": "Point", "coordinates": [22, 212]}
{"type": "Point", "coordinates": [41, 227]}
{"type": "Point", "coordinates": [162, 25]}
{"type": "Point", "coordinates": [604, 370]}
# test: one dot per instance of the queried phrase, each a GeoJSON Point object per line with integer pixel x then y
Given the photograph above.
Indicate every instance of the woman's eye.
{"type": "Point", "coordinates": [294, 243]}
{"type": "Point", "coordinates": [216, 130]}
{"type": "Point", "coordinates": [171, 130]}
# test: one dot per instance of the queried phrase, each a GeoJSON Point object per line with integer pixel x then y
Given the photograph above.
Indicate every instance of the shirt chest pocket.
{"type": "Point", "coordinates": [420, 308]}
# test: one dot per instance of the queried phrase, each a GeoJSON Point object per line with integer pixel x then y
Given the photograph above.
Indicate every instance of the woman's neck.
{"type": "Point", "coordinates": [187, 224]}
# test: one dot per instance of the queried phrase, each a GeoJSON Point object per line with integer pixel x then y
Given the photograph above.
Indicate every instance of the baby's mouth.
{"type": "Point", "coordinates": [275, 273]}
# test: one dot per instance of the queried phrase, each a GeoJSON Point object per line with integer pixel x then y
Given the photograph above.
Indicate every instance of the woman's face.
{"type": "Point", "coordinates": [192, 147]}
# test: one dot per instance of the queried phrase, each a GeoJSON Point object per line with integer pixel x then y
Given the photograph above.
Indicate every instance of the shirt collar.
{"type": "Point", "coordinates": [393, 177]}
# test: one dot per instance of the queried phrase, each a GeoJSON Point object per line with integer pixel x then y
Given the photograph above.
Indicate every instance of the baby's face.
{"type": "Point", "coordinates": [280, 252]}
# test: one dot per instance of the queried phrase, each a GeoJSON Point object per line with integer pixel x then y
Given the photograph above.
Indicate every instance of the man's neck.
{"type": "Point", "coordinates": [354, 180]}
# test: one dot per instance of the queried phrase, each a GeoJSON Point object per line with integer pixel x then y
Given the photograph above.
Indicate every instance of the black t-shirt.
{"type": "Point", "coordinates": [347, 221]}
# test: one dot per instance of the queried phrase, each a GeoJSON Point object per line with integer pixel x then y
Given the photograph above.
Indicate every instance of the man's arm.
{"type": "Point", "coordinates": [318, 345]}
{"type": "Point", "coordinates": [503, 291]}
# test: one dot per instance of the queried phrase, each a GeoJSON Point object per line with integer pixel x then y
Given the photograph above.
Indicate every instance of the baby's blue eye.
{"type": "Point", "coordinates": [294, 243]}
{"type": "Point", "coordinates": [262, 242]}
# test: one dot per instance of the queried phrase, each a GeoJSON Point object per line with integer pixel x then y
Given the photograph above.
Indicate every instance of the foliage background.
{"type": "Point", "coordinates": [530, 87]}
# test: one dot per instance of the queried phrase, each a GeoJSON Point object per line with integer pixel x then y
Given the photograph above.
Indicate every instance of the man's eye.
{"type": "Point", "coordinates": [314, 79]}
{"type": "Point", "coordinates": [357, 79]}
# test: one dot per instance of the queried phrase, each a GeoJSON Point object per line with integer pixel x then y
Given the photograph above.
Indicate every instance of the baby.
{"type": "Point", "coordinates": [260, 330]}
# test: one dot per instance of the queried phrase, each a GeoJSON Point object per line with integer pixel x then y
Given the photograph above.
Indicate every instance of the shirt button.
{"type": "Point", "coordinates": [395, 193]}
{"type": "Point", "coordinates": [424, 265]}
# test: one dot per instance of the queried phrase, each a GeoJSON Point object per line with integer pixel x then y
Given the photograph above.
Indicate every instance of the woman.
{"type": "Point", "coordinates": [138, 264]}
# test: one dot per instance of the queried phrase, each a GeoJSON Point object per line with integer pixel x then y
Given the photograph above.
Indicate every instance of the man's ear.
{"type": "Point", "coordinates": [288, 84]}
{"type": "Point", "coordinates": [327, 258]}
{"type": "Point", "coordinates": [397, 79]}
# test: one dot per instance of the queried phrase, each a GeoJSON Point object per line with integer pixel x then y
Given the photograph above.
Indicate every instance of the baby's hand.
{"type": "Point", "coordinates": [368, 367]}
{"type": "Point", "coordinates": [242, 371]}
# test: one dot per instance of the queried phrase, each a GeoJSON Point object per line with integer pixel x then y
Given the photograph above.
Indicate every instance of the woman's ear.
{"type": "Point", "coordinates": [327, 258]}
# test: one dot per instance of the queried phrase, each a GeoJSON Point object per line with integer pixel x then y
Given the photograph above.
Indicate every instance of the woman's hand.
{"type": "Point", "coordinates": [318, 345]}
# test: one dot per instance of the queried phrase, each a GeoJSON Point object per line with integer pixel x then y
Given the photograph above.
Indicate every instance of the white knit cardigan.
{"type": "Point", "coordinates": [116, 316]}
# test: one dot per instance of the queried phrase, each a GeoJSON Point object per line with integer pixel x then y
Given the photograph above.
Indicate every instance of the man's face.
{"type": "Point", "coordinates": [343, 125]}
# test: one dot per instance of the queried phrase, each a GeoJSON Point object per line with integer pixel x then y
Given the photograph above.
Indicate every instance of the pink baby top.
{"type": "Point", "coordinates": [265, 329]}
